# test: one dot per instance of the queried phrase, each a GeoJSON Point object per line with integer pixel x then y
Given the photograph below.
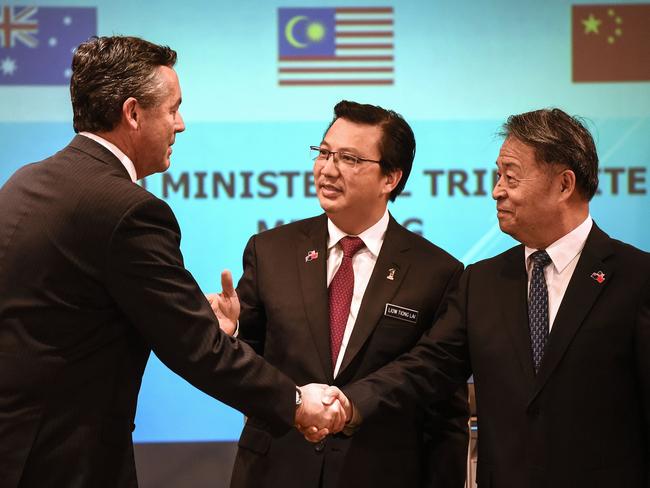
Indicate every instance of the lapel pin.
{"type": "Point", "coordinates": [311, 255]}
{"type": "Point", "coordinates": [599, 276]}
{"type": "Point", "coordinates": [391, 274]}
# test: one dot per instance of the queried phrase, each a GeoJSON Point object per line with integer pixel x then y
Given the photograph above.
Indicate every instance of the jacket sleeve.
{"type": "Point", "coordinates": [148, 281]}
{"type": "Point", "coordinates": [445, 429]}
{"type": "Point", "coordinates": [432, 370]}
{"type": "Point", "coordinates": [643, 366]}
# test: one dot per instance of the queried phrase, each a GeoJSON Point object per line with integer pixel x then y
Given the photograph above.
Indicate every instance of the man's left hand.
{"type": "Point", "coordinates": [225, 305]}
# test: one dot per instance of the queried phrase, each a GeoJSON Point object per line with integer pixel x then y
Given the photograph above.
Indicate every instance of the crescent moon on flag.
{"type": "Point", "coordinates": [288, 31]}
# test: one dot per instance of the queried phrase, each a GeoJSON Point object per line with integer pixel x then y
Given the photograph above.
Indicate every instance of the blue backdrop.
{"type": "Point", "coordinates": [454, 69]}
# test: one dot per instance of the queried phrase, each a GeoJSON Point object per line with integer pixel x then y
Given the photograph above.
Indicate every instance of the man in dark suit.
{"type": "Point", "coordinates": [323, 313]}
{"type": "Point", "coordinates": [556, 330]}
{"type": "Point", "coordinates": [92, 279]}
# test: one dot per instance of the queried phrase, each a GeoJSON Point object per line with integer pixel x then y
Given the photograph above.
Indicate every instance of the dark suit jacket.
{"type": "Point", "coordinates": [584, 419]}
{"type": "Point", "coordinates": [285, 317]}
{"type": "Point", "coordinates": [92, 279]}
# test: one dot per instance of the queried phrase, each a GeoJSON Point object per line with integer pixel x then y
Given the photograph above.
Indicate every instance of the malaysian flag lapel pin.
{"type": "Point", "coordinates": [599, 276]}
{"type": "Point", "coordinates": [311, 255]}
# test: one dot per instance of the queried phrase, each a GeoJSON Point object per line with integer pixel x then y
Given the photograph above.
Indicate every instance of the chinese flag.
{"type": "Point", "coordinates": [611, 42]}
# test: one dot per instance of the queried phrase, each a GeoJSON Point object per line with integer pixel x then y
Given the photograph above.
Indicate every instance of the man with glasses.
{"type": "Point", "coordinates": [331, 299]}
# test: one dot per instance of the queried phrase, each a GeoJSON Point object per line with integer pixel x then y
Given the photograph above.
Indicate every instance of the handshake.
{"type": "Point", "coordinates": [322, 410]}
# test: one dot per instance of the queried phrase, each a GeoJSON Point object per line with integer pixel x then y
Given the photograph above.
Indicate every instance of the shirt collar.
{"type": "Point", "coordinates": [116, 151]}
{"type": "Point", "coordinates": [372, 237]}
{"type": "Point", "coordinates": [566, 247]}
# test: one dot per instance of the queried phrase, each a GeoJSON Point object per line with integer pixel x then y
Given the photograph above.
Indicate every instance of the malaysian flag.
{"type": "Point", "coordinates": [336, 46]}
{"type": "Point", "coordinates": [36, 43]}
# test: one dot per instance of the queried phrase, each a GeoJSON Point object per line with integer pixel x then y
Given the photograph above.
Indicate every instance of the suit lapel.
{"type": "Point", "coordinates": [380, 289]}
{"type": "Point", "coordinates": [514, 286]}
{"type": "Point", "coordinates": [579, 298]}
{"type": "Point", "coordinates": [313, 280]}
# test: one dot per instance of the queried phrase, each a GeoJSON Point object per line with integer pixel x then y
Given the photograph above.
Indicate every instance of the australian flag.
{"type": "Point", "coordinates": [37, 43]}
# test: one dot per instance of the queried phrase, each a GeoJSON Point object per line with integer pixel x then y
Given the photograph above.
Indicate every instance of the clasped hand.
{"type": "Point", "coordinates": [324, 409]}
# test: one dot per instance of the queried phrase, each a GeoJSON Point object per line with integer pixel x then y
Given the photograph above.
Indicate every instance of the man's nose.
{"type": "Point", "coordinates": [180, 123]}
{"type": "Point", "coordinates": [329, 166]}
{"type": "Point", "coordinates": [498, 191]}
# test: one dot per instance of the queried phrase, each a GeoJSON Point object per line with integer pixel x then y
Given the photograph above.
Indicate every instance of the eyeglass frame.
{"type": "Point", "coordinates": [336, 159]}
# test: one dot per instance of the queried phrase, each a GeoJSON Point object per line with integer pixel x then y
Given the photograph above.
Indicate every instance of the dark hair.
{"type": "Point", "coordinates": [558, 138]}
{"type": "Point", "coordinates": [397, 145]}
{"type": "Point", "coordinates": [108, 70]}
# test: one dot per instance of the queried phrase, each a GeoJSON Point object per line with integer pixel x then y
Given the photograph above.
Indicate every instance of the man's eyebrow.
{"type": "Point", "coordinates": [507, 164]}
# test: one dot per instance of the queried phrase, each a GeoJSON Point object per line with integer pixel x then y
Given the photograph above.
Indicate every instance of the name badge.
{"type": "Point", "coordinates": [401, 313]}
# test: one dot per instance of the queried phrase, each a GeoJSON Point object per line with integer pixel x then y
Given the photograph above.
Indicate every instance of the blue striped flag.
{"type": "Point", "coordinates": [336, 46]}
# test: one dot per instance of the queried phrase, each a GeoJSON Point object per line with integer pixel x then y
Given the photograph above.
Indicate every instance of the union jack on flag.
{"type": "Point", "coordinates": [36, 43]}
{"type": "Point", "coordinates": [18, 24]}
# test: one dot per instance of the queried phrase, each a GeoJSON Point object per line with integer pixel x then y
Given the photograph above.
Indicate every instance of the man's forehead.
{"type": "Point", "coordinates": [169, 85]}
{"type": "Point", "coordinates": [515, 153]}
{"type": "Point", "coordinates": [344, 128]}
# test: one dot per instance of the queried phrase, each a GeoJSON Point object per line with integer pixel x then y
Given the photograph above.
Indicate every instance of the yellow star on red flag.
{"type": "Point", "coordinates": [591, 24]}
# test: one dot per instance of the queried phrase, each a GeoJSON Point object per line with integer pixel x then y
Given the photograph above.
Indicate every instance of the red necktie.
{"type": "Point", "coordinates": [340, 294]}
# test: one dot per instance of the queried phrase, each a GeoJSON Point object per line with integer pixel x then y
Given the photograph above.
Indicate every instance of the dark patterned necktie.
{"type": "Point", "coordinates": [340, 294]}
{"type": "Point", "coordinates": [538, 306]}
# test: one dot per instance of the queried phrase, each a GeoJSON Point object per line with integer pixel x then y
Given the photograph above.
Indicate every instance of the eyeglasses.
{"type": "Point", "coordinates": [350, 160]}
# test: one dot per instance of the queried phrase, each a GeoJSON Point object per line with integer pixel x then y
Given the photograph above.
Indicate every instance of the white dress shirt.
{"type": "Point", "coordinates": [124, 159]}
{"type": "Point", "coordinates": [363, 262]}
{"type": "Point", "coordinates": [564, 253]}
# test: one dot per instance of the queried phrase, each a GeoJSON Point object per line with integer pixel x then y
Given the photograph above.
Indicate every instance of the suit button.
{"type": "Point", "coordinates": [319, 446]}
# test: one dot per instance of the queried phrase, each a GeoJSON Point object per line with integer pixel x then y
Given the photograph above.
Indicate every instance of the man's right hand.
{"type": "Point", "coordinates": [225, 305]}
{"type": "Point", "coordinates": [324, 410]}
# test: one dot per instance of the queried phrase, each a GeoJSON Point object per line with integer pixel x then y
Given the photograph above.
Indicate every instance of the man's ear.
{"type": "Point", "coordinates": [567, 182]}
{"type": "Point", "coordinates": [131, 113]}
{"type": "Point", "coordinates": [392, 180]}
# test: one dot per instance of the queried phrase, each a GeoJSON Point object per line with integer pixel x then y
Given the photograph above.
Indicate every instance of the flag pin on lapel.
{"type": "Point", "coordinates": [311, 255]}
{"type": "Point", "coordinates": [391, 274]}
{"type": "Point", "coordinates": [599, 276]}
